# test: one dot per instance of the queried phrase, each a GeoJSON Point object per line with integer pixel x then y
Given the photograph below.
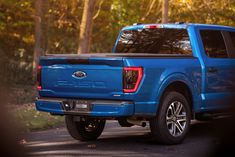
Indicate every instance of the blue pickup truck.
{"type": "Point", "coordinates": [164, 74]}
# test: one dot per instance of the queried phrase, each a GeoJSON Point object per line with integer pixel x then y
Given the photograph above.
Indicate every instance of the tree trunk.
{"type": "Point", "coordinates": [165, 5]}
{"type": "Point", "coordinates": [38, 36]}
{"type": "Point", "coordinates": [45, 22]}
{"type": "Point", "coordinates": [86, 26]}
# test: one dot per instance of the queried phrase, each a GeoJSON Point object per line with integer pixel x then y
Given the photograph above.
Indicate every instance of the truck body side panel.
{"type": "Point", "coordinates": [158, 74]}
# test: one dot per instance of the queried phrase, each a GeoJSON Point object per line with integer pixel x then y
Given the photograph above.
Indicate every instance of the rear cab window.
{"type": "Point", "coordinates": [155, 41]}
{"type": "Point", "coordinates": [232, 35]}
{"type": "Point", "coordinates": [232, 38]}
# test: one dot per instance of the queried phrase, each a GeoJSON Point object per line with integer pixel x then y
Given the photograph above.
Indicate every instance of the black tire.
{"type": "Point", "coordinates": [80, 130]}
{"type": "Point", "coordinates": [124, 123]}
{"type": "Point", "coordinates": [161, 130]}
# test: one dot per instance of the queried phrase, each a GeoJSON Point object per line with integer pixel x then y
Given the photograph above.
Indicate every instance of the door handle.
{"type": "Point", "coordinates": [212, 70]}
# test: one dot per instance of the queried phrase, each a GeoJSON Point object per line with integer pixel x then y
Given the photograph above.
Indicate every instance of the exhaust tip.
{"type": "Point", "coordinates": [143, 124]}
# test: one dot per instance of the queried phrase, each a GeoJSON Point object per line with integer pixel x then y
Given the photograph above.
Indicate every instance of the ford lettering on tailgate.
{"type": "Point", "coordinates": [80, 84]}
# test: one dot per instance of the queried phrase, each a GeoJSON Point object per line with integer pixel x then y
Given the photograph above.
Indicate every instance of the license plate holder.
{"type": "Point", "coordinates": [77, 105]}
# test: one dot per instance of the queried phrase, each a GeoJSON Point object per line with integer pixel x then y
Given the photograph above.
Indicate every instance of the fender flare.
{"type": "Point", "coordinates": [176, 77]}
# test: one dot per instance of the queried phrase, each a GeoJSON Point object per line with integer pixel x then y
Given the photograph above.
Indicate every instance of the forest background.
{"type": "Point", "coordinates": [31, 28]}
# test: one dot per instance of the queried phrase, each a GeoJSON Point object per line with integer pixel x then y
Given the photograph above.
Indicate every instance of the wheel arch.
{"type": "Point", "coordinates": [181, 84]}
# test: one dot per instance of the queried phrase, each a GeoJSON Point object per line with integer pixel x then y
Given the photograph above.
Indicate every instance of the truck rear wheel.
{"type": "Point", "coordinates": [172, 121]}
{"type": "Point", "coordinates": [87, 130]}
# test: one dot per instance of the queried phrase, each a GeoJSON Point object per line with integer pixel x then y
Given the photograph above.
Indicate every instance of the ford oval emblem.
{"type": "Point", "coordinates": [79, 74]}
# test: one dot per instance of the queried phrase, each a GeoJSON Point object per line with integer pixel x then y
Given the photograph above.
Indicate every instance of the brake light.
{"type": "Point", "coordinates": [151, 26]}
{"type": "Point", "coordinates": [39, 79]}
{"type": "Point", "coordinates": [132, 77]}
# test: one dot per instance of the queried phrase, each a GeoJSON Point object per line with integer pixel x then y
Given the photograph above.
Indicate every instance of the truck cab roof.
{"type": "Point", "coordinates": [179, 25]}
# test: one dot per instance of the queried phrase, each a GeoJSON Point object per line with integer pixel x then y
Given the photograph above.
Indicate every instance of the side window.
{"type": "Point", "coordinates": [214, 45]}
{"type": "Point", "coordinates": [232, 34]}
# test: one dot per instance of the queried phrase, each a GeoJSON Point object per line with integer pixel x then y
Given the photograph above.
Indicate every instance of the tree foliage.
{"type": "Point", "coordinates": [62, 19]}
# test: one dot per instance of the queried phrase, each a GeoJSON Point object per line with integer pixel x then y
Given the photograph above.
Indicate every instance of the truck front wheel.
{"type": "Point", "coordinates": [89, 129]}
{"type": "Point", "coordinates": [172, 121]}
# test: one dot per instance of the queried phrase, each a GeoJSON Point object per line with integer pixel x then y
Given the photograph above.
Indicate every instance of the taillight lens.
{"type": "Point", "coordinates": [151, 26]}
{"type": "Point", "coordinates": [39, 78]}
{"type": "Point", "coordinates": [132, 77]}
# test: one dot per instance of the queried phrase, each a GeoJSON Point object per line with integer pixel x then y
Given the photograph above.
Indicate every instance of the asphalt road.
{"type": "Point", "coordinates": [121, 141]}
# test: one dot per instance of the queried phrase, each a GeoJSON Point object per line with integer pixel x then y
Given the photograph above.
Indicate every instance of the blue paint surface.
{"type": "Point", "coordinates": [52, 107]}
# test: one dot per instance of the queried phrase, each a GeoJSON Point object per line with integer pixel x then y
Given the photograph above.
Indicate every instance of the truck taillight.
{"type": "Point", "coordinates": [39, 78]}
{"type": "Point", "coordinates": [132, 77]}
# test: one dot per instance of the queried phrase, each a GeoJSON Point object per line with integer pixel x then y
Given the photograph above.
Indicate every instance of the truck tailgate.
{"type": "Point", "coordinates": [77, 77]}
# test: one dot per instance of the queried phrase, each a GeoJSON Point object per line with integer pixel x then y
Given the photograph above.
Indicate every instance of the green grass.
{"type": "Point", "coordinates": [32, 120]}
